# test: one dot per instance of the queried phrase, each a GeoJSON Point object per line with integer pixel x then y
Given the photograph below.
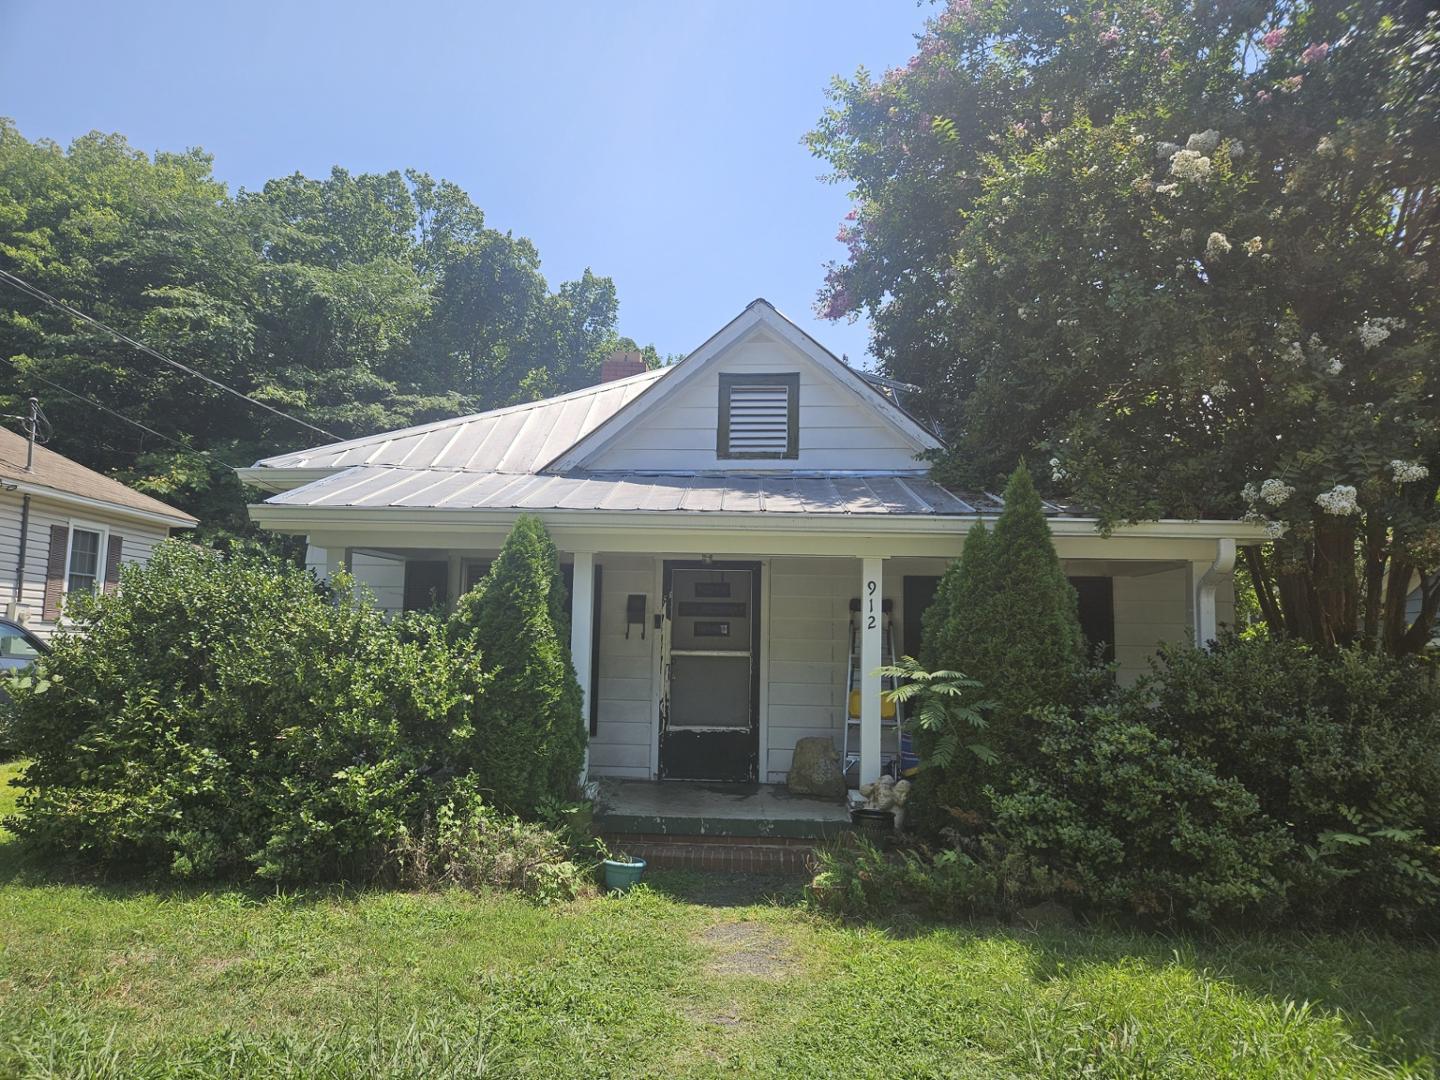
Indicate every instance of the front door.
{"type": "Point", "coordinates": [710, 694]}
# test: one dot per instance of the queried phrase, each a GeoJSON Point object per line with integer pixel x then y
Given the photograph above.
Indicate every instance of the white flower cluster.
{"type": "Point", "coordinates": [1339, 501]}
{"type": "Point", "coordinates": [1166, 189]}
{"type": "Point", "coordinates": [1250, 492]}
{"type": "Point", "coordinates": [1275, 529]}
{"type": "Point", "coordinates": [1333, 366]}
{"type": "Point", "coordinates": [1190, 165]}
{"type": "Point", "coordinates": [1217, 245]}
{"type": "Point", "coordinates": [1057, 471]}
{"type": "Point", "coordinates": [1325, 148]}
{"type": "Point", "coordinates": [1220, 389]}
{"type": "Point", "coordinates": [1374, 331]}
{"type": "Point", "coordinates": [1254, 246]}
{"type": "Point", "coordinates": [1407, 472]}
{"type": "Point", "coordinates": [1275, 492]}
{"type": "Point", "coordinates": [1203, 142]}
{"type": "Point", "coordinates": [1295, 352]}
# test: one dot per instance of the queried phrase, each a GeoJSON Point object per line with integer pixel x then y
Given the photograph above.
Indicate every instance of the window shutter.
{"type": "Point", "coordinates": [55, 573]}
{"type": "Point", "coordinates": [112, 563]}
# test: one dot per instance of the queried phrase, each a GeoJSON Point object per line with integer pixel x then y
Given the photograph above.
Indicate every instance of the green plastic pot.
{"type": "Point", "coordinates": [621, 874]}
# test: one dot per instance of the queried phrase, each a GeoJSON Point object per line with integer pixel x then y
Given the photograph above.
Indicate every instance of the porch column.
{"type": "Point", "coordinates": [582, 625]}
{"type": "Point", "coordinates": [872, 593]}
{"type": "Point", "coordinates": [1206, 579]}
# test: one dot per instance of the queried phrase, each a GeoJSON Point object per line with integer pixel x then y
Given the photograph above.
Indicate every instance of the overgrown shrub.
{"type": "Point", "coordinates": [1131, 821]}
{"type": "Point", "coordinates": [531, 740]}
{"type": "Point", "coordinates": [467, 843]}
{"type": "Point", "coordinates": [1342, 747]}
{"type": "Point", "coordinates": [233, 717]}
{"type": "Point", "coordinates": [1006, 616]}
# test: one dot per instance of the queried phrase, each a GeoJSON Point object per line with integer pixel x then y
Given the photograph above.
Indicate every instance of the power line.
{"type": "Point", "coordinates": [204, 454]}
{"type": "Point", "coordinates": [60, 305]}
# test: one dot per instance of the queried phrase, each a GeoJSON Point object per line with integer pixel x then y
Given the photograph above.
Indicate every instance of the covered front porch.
{"type": "Point", "coordinates": [820, 608]}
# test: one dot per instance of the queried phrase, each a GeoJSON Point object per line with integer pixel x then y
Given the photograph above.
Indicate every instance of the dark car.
{"type": "Point", "coordinates": [19, 649]}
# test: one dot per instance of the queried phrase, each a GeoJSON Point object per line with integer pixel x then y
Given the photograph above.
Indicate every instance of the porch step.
{"type": "Point", "coordinates": [687, 811]}
{"type": "Point", "coordinates": [742, 855]}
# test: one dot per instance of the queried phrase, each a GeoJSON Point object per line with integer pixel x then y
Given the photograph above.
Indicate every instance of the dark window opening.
{"type": "Point", "coordinates": [1097, 614]}
{"type": "Point", "coordinates": [427, 584]}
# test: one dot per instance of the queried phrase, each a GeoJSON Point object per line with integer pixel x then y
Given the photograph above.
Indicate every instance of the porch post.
{"type": "Point", "coordinates": [872, 619]}
{"type": "Point", "coordinates": [582, 624]}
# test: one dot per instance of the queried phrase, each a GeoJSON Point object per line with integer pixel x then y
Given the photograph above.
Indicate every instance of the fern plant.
{"type": "Point", "coordinates": [944, 706]}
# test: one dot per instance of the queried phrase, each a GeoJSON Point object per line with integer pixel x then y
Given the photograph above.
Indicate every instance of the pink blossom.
{"type": "Point", "coordinates": [1097, 17]}
{"type": "Point", "coordinates": [1273, 40]}
{"type": "Point", "coordinates": [964, 9]}
{"type": "Point", "coordinates": [1293, 83]}
{"type": "Point", "coordinates": [853, 215]}
{"type": "Point", "coordinates": [1166, 55]}
{"type": "Point", "coordinates": [1315, 53]}
{"type": "Point", "coordinates": [837, 304]}
{"type": "Point", "coordinates": [1154, 16]}
{"type": "Point", "coordinates": [1264, 97]}
{"type": "Point", "coordinates": [1046, 117]}
{"type": "Point", "coordinates": [1110, 36]}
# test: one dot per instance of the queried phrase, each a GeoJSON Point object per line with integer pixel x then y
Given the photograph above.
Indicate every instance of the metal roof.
{"type": "Point", "coordinates": [518, 439]}
{"type": "Point", "coordinates": [374, 486]}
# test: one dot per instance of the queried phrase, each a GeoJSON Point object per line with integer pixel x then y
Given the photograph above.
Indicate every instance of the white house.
{"type": "Point", "coordinates": [726, 522]}
{"type": "Point", "coordinates": [64, 527]}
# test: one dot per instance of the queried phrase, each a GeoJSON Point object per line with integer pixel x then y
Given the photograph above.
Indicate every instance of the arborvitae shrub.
{"type": "Point", "coordinates": [1006, 616]}
{"type": "Point", "coordinates": [530, 740]}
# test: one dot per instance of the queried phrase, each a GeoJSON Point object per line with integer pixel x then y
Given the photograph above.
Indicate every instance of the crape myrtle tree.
{"type": "Point", "coordinates": [1184, 253]}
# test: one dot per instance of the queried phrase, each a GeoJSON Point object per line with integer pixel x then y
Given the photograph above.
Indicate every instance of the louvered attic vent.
{"type": "Point", "coordinates": [759, 416]}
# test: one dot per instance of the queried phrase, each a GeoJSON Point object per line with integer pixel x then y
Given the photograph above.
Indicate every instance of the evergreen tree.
{"type": "Point", "coordinates": [529, 742]}
{"type": "Point", "coordinates": [1004, 615]}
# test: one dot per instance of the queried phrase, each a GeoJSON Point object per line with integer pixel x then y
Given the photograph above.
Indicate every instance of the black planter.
{"type": "Point", "coordinates": [877, 826]}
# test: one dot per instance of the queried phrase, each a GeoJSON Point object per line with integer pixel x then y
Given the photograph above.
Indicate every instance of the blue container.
{"type": "Point", "coordinates": [620, 875]}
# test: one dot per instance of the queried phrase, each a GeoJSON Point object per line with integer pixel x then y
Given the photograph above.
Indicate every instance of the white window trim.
{"type": "Point", "coordinates": [102, 557]}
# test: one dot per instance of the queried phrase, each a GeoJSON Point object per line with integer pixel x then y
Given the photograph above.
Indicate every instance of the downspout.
{"type": "Point", "coordinates": [1206, 626]}
{"type": "Point", "coordinates": [12, 609]}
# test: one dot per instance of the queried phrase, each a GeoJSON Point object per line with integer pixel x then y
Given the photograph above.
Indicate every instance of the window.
{"type": "Point", "coordinates": [83, 566]}
{"type": "Point", "coordinates": [1096, 596]}
{"type": "Point", "coordinates": [759, 416]}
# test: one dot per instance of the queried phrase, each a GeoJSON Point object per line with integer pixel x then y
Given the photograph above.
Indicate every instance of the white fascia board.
{"type": "Point", "coordinates": [290, 518]}
{"type": "Point", "coordinates": [177, 520]}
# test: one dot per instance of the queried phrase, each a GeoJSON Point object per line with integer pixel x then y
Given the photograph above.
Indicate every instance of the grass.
{"type": "Point", "coordinates": [685, 978]}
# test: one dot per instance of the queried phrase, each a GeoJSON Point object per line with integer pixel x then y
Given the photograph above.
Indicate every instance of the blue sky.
{"type": "Point", "coordinates": [659, 143]}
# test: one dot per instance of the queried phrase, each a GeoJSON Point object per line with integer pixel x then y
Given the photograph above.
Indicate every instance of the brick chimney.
{"type": "Point", "coordinates": [621, 365]}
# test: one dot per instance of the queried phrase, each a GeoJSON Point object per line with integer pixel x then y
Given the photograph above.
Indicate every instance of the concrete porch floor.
{"type": "Point", "coordinates": [695, 808]}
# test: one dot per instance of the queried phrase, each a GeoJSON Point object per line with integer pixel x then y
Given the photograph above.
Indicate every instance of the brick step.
{"type": "Point", "coordinates": [740, 854]}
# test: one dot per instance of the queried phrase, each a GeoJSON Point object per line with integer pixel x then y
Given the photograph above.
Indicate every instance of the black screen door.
{"type": "Point", "coordinates": [710, 693]}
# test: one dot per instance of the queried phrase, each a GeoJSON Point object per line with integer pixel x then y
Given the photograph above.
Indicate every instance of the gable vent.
{"type": "Point", "coordinates": [758, 416]}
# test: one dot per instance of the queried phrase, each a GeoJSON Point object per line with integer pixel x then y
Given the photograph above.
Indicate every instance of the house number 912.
{"type": "Point", "coordinates": [870, 588]}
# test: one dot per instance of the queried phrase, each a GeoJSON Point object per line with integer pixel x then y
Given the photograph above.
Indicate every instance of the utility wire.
{"type": "Point", "coordinates": [75, 313]}
{"type": "Point", "coordinates": [204, 454]}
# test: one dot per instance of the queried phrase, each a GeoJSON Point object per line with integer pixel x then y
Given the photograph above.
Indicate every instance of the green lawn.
{"type": "Point", "coordinates": [685, 979]}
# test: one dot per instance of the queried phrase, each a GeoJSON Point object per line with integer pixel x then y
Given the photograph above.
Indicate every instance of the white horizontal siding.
{"type": "Point", "coordinates": [838, 429]}
{"type": "Point", "coordinates": [625, 706]}
{"type": "Point", "coordinates": [139, 538]}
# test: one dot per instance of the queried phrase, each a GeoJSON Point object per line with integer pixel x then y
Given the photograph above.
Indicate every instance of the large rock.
{"type": "Point", "coordinates": [815, 769]}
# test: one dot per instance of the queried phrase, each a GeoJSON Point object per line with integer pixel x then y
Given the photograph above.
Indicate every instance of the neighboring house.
{"type": "Point", "coordinates": [65, 528]}
{"type": "Point", "coordinates": [719, 520]}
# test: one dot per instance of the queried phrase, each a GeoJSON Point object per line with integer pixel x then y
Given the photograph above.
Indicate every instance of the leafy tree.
{"type": "Point", "coordinates": [356, 302]}
{"type": "Point", "coordinates": [530, 740]}
{"type": "Point", "coordinates": [1186, 253]}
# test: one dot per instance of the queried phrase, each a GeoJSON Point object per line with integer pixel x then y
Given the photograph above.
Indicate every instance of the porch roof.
{"type": "Point", "coordinates": [377, 486]}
